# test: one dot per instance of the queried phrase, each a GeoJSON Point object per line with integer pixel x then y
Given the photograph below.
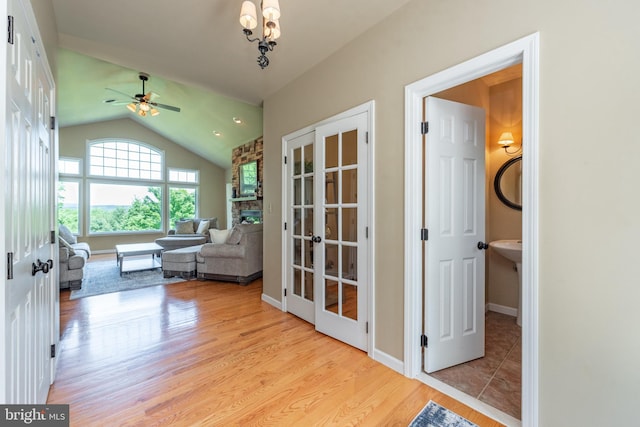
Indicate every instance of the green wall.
{"type": "Point", "coordinates": [73, 142]}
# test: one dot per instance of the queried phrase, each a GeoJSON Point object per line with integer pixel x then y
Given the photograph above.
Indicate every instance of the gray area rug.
{"type": "Point", "coordinates": [434, 415]}
{"type": "Point", "coordinates": [103, 277]}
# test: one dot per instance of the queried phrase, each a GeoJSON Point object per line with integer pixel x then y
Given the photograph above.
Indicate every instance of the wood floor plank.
{"type": "Point", "coordinates": [211, 353]}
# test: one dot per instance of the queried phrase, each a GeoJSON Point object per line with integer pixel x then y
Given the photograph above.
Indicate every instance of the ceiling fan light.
{"type": "Point", "coordinates": [271, 9]}
{"type": "Point", "coordinates": [154, 112]}
{"type": "Point", "coordinates": [248, 17]}
{"type": "Point", "coordinates": [145, 107]}
{"type": "Point", "coordinates": [142, 113]}
{"type": "Point", "coordinates": [131, 107]}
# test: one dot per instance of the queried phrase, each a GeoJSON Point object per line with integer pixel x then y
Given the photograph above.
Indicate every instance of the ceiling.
{"type": "Point", "coordinates": [198, 59]}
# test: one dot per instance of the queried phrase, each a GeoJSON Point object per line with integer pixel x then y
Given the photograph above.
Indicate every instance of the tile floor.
{"type": "Point", "coordinates": [496, 378]}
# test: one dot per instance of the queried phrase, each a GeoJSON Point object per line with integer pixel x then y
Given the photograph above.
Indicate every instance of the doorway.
{"type": "Point", "coordinates": [523, 51]}
{"type": "Point", "coordinates": [327, 212]}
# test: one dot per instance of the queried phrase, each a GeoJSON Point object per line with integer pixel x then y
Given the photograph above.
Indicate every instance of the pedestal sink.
{"type": "Point", "coordinates": [512, 250]}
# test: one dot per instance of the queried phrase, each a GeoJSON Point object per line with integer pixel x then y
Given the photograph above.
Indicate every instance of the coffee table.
{"type": "Point", "coordinates": [137, 249]}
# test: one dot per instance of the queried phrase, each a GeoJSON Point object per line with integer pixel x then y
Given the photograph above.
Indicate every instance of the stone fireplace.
{"type": "Point", "coordinates": [246, 206]}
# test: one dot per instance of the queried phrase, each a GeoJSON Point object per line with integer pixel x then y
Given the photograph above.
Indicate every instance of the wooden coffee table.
{"type": "Point", "coordinates": [137, 249]}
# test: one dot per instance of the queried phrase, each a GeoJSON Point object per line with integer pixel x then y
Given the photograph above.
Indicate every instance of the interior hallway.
{"type": "Point", "coordinates": [213, 353]}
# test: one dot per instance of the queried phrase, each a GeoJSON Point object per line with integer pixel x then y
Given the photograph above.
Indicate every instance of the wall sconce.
{"type": "Point", "coordinates": [507, 140]}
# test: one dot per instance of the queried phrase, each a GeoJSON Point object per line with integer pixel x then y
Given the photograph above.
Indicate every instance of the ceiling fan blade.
{"type": "Point", "coordinates": [121, 93]}
{"type": "Point", "coordinates": [166, 107]}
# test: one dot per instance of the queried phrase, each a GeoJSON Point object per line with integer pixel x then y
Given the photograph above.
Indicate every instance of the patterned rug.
{"type": "Point", "coordinates": [434, 415]}
{"type": "Point", "coordinates": [103, 277]}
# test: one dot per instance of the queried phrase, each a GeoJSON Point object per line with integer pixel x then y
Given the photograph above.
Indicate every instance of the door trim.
{"type": "Point", "coordinates": [525, 51]}
{"type": "Point", "coordinates": [369, 108]}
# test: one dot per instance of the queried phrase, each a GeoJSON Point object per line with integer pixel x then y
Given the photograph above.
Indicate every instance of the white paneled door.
{"type": "Point", "coordinates": [455, 220]}
{"type": "Point", "coordinates": [28, 325]}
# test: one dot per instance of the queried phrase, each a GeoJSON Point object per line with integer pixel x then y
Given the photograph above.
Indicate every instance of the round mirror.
{"type": "Point", "coordinates": [508, 183]}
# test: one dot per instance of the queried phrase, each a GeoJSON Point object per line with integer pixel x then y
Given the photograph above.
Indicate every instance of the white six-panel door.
{"type": "Point", "coordinates": [27, 325]}
{"type": "Point", "coordinates": [455, 220]}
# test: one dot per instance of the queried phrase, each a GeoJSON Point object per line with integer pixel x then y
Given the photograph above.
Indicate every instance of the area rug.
{"type": "Point", "coordinates": [103, 277]}
{"type": "Point", "coordinates": [434, 415]}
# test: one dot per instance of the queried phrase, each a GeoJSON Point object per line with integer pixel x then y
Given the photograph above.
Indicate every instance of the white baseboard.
{"type": "Point", "coordinates": [388, 361]}
{"type": "Point", "coordinates": [509, 311]}
{"type": "Point", "coordinates": [272, 301]}
{"type": "Point", "coordinates": [104, 251]}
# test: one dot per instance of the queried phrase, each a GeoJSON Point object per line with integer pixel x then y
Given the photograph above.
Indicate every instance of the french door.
{"type": "Point", "coordinates": [327, 228]}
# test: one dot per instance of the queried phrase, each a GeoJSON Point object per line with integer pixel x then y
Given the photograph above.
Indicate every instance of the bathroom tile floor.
{"type": "Point", "coordinates": [496, 378]}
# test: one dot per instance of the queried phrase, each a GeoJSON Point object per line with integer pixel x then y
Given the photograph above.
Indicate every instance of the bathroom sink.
{"type": "Point", "coordinates": [510, 249]}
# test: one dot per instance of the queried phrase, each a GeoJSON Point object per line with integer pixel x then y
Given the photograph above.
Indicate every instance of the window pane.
{"type": "Point", "coordinates": [116, 208]}
{"type": "Point", "coordinates": [68, 205]}
{"type": "Point", "coordinates": [125, 160]}
{"type": "Point", "coordinates": [182, 204]}
{"type": "Point", "coordinates": [69, 166]}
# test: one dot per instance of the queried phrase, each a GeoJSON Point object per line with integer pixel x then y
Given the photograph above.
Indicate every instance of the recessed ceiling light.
{"type": "Point", "coordinates": [216, 133]}
{"type": "Point", "coordinates": [237, 120]}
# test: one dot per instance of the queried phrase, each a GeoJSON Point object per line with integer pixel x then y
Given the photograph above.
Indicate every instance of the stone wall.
{"type": "Point", "coordinates": [243, 154]}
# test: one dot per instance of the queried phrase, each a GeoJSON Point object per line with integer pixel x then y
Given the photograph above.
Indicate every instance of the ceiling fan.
{"type": "Point", "coordinates": [142, 103]}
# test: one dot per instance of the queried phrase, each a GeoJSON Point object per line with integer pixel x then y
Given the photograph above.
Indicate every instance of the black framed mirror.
{"type": "Point", "coordinates": [508, 183]}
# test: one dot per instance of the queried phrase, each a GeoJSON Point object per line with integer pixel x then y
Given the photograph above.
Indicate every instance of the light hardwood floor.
{"type": "Point", "coordinates": [209, 353]}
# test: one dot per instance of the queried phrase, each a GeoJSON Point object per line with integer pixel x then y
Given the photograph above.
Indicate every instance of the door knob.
{"type": "Point", "coordinates": [316, 239]}
{"type": "Point", "coordinates": [483, 245]}
{"type": "Point", "coordinates": [40, 266]}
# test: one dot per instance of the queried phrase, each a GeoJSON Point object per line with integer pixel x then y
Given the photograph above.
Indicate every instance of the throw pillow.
{"type": "Point", "coordinates": [234, 236]}
{"type": "Point", "coordinates": [184, 227]}
{"type": "Point", "coordinates": [66, 244]}
{"type": "Point", "coordinates": [203, 227]}
{"type": "Point", "coordinates": [67, 235]}
{"type": "Point", "coordinates": [218, 236]}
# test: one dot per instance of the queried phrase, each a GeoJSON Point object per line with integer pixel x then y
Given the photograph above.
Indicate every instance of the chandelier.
{"type": "Point", "coordinates": [270, 26]}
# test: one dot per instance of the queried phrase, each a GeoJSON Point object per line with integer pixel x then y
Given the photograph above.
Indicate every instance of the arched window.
{"type": "Point", "coordinates": [125, 159]}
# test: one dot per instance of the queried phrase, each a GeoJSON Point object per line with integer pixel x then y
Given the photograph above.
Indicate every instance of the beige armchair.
{"type": "Point", "coordinates": [239, 259]}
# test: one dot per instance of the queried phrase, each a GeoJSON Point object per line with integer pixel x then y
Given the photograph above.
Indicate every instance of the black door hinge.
{"type": "Point", "coordinates": [52, 123]}
{"type": "Point", "coordinates": [285, 292]}
{"type": "Point", "coordinates": [366, 232]}
{"type": "Point", "coordinates": [9, 265]}
{"type": "Point", "coordinates": [53, 351]}
{"type": "Point", "coordinates": [366, 137]}
{"type": "Point", "coordinates": [52, 237]}
{"type": "Point", "coordinates": [424, 341]}
{"type": "Point", "coordinates": [424, 234]}
{"type": "Point", "coordinates": [10, 29]}
{"type": "Point", "coordinates": [366, 327]}
{"type": "Point", "coordinates": [285, 160]}
{"type": "Point", "coordinates": [424, 128]}
{"type": "Point", "coordinates": [285, 226]}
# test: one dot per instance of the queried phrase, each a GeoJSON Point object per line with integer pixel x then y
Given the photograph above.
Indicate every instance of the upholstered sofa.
{"type": "Point", "coordinates": [188, 232]}
{"type": "Point", "coordinates": [238, 259]}
{"type": "Point", "coordinates": [73, 256]}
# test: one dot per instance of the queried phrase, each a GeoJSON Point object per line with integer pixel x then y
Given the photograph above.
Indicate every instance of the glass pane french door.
{"type": "Point", "coordinates": [300, 226]}
{"type": "Point", "coordinates": [340, 231]}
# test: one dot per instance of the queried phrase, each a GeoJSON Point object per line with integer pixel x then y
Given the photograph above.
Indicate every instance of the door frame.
{"type": "Point", "coordinates": [525, 51]}
{"type": "Point", "coordinates": [369, 108]}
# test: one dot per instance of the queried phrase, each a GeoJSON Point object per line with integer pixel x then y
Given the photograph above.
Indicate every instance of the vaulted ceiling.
{"type": "Point", "coordinates": [198, 60]}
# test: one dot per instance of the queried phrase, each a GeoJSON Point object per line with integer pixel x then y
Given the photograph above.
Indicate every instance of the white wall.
{"type": "Point", "coordinates": [589, 225]}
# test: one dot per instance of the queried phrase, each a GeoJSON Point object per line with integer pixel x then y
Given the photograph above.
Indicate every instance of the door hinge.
{"type": "Point", "coordinates": [285, 292]}
{"type": "Point", "coordinates": [285, 226]}
{"type": "Point", "coordinates": [424, 341]}
{"type": "Point", "coordinates": [52, 237]}
{"type": "Point", "coordinates": [52, 123]}
{"type": "Point", "coordinates": [424, 128]}
{"type": "Point", "coordinates": [366, 232]}
{"type": "Point", "coordinates": [285, 160]}
{"type": "Point", "coordinates": [424, 234]}
{"type": "Point", "coordinates": [366, 327]}
{"type": "Point", "coordinates": [9, 265]}
{"type": "Point", "coordinates": [53, 351]}
{"type": "Point", "coordinates": [10, 29]}
{"type": "Point", "coordinates": [366, 137]}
